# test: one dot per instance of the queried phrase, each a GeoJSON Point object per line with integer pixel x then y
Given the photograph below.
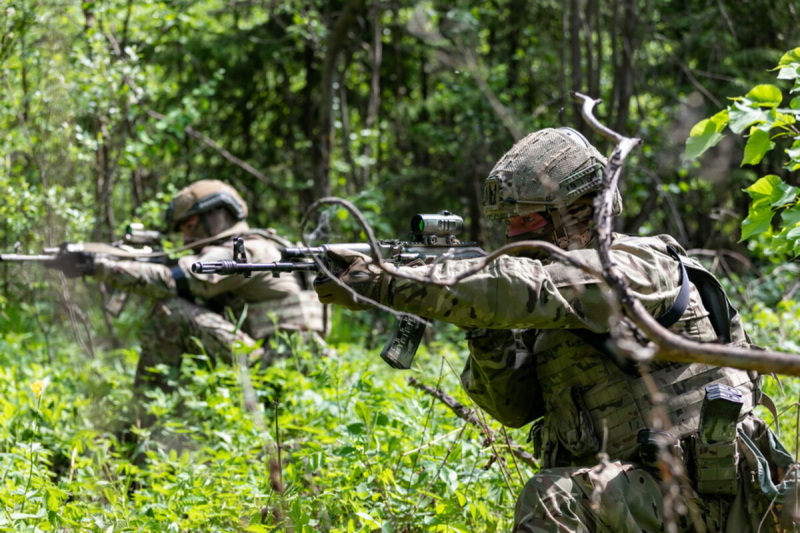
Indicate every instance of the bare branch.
{"type": "Point", "coordinates": [468, 416]}
{"type": "Point", "coordinates": [671, 347]}
{"type": "Point", "coordinates": [208, 141]}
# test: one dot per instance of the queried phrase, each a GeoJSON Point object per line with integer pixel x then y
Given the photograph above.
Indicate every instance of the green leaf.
{"type": "Point", "coordinates": [758, 219]}
{"type": "Point", "coordinates": [794, 234]}
{"type": "Point", "coordinates": [743, 115]}
{"type": "Point", "coordinates": [794, 151]}
{"type": "Point", "coordinates": [765, 95]}
{"type": "Point", "coordinates": [791, 216]}
{"type": "Point", "coordinates": [705, 134]}
{"type": "Point", "coordinates": [773, 190]}
{"type": "Point", "coordinates": [757, 145]}
{"type": "Point", "coordinates": [764, 188]}
{"type": "Point", "coordinates": [795, 103]}
{"type": "Point", "coordinates": [789, 65]}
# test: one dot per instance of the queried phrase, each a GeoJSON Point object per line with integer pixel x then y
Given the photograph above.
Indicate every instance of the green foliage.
{"type": "Point", "coordinates": [360, 450]}
{"type": "Point", "coordinates": [759, 113]}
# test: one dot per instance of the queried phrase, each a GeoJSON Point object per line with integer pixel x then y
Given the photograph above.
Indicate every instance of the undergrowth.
{"type": "Point", "coordinates": [340, 443]}
{"type": "Point", "coordinates": [359, 449]}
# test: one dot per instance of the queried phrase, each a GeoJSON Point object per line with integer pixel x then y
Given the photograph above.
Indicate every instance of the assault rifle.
{"type": "Point", "coordinates": [433, 238]}
{"type": "Point", "coordinates": [138, 244]}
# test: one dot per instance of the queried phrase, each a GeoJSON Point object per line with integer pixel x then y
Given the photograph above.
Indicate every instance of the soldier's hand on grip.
{"type": "Point", "coordinates": [72, 264]}
{"type": "Point", "coordinates": [360, 274]}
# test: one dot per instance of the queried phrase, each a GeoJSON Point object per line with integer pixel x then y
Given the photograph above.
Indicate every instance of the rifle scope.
{"type": "Point", "coordinates": [136, 234]}
{"type": "Point", "coordinates": [442, 224]}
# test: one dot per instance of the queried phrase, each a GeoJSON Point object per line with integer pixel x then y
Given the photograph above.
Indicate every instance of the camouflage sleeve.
{"type": "Point", "coordinates": [152, 280]}
{"type": "Point", "coordinates": [520, 293]}
{"type": "Point", "coordinates": [499, 375]}
{"type": "Point", "coordinates": [157, 281]}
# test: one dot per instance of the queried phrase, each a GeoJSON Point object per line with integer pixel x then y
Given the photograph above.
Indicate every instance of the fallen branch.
{"type": "Point", "coordinates": [468, 416]}
{"type": "Point", "coordinates": [208, 141]}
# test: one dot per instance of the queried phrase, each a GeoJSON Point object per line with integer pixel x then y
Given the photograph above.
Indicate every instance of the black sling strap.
{"type": "Point", "coordinates": [181, 282]}
{"type": "Point", "coordinates": [600, 341]}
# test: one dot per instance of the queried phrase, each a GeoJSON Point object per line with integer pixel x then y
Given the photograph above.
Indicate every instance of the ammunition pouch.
{"type": "Point", "coordinates": [715, 467]}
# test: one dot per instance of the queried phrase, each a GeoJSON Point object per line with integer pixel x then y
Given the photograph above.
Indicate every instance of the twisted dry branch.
{"type": "Point", "coordinates": [468, 416]}
{"type": "Point", "coordinates": [670, 347]}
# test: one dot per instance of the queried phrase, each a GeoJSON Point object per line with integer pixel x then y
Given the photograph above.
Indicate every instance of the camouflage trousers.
{"type": "Point", "coordinates": [176, 327]}
{"type": "Point", "coordinates": [608, 498]}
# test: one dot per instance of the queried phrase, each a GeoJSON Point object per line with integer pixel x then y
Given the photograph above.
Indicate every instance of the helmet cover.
{"type": "Point", "coordinates": [547, 169]}
{"type": "Point", "coordinates": [204, 196]}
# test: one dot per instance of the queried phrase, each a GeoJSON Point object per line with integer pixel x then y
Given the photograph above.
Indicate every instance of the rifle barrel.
{"type": "Point", "coordinates": [232, 267]}
{"type": "Point", "coordinates": [20, 257]}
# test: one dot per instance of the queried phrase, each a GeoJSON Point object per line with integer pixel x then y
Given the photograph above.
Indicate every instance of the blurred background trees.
{"type": "Point", "coordinates": [108, 108]}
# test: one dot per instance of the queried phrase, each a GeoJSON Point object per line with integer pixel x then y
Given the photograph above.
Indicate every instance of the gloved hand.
{"type": "Point", "coordinates": [357, 272]}
{"type": "Point", "coordinates": [72, 264]}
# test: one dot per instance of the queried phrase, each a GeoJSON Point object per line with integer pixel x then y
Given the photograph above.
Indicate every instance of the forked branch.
{"type": "Point", "coordinates": [670, 347]}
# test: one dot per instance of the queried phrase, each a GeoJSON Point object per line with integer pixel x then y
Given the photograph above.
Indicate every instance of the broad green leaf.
{"type": "Point", "coordinates": [793, 234]}
{"type": "Point", "coordinates": [765, 188]}
{"type": "Point", "coordinates": [794, 151]}
{"type": "Point", "coordinates": [792, 56]}
{"type": "Point", "coordinates": [742, 115]}
{"type": "Point", "coordinates": [789, 65]}
{"type": "Point", "coordinates": [765, 95]}
{"type": "Point", "coordinates": [773, 190]}
{"type": "Point", "coordinates": [757, 145]}
{"type": "Point", "coordinates": [758, 219]}
{"type": "Point", "coordinates": [705, 134]}
{"type": "Point", "coordinates": [795, 103]}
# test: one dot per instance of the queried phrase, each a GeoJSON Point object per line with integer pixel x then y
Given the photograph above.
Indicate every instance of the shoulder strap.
{"type": "Point", "coordinates": [714, 300]}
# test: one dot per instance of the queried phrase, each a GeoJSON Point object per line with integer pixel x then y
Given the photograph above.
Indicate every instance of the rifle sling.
{"type": "Point", "coordinates": [181, 282]}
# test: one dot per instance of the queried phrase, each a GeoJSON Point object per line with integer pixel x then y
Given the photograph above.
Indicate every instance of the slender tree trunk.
{"type": "Point", "coordinates": [353, 183]}
{"type": "Point", "coordinates": [322, 140]}
{"type": "Point", "coordinates": [373, 107]}
{"type": "Point", "coordinates": [306, 197]}
{"type": "Point", "coordinates": [575, 58]}
{"type": "Point", "coordinates": [625, 74]}
{"type": "Point", "coordinates": [612, 101]}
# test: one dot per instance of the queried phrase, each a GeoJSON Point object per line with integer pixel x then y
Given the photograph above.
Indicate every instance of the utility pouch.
{"type": "Point", "coordinates": [571, 422]}
{"type": "Point", "coordinates": [716, 455]}
{"type": "Point", "coordinates": [403, 342]}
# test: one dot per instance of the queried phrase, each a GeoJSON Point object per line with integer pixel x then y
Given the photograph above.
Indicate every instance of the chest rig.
{"type": "Point", "coordinates": [594, 397]}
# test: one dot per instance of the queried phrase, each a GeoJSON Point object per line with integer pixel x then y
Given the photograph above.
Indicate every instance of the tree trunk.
{"type": "Point", "coordinates": [575, 58]}
{"type": "Point", "coordinates": [322, 139]}
{"type": "Point", "coordinates": [373, 107]}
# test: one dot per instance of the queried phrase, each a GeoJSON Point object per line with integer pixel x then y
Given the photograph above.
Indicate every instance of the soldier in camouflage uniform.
{"type": "Point", "coordinates": [533, 357]}
{"type": "Point", "coordinates": [193, 308]}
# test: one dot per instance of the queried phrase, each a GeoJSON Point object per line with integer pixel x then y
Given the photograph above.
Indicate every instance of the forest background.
{"type": "Point", "coordinates": [108, 108]}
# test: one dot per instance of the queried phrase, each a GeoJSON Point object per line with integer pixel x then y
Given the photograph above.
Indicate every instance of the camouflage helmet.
{"type": "Point", "coordinates": [547, 169]}
{"type": "Point", "coordinates": [204, 196]}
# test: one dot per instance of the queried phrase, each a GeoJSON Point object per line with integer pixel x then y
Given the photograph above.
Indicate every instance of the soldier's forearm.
{"type": "Point", "coordinates": [510, 293]}
{"type": "Point", "coordinates": [152, 280]}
